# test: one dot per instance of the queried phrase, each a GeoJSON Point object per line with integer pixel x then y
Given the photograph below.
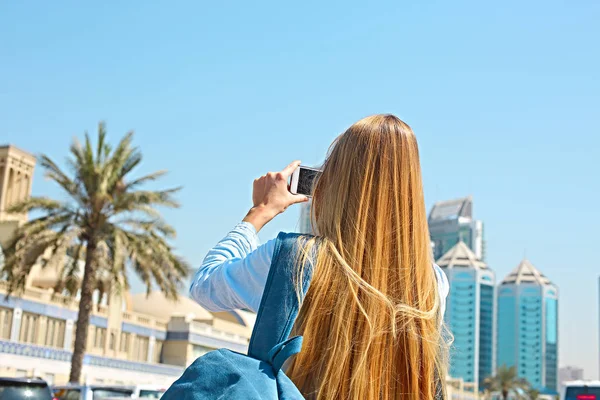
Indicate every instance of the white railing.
{"type": "Point", "coordinates": [203, 328]}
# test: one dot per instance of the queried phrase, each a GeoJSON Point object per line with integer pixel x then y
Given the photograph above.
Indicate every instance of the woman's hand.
{"type": "Point", "coordinates": [271, 196]}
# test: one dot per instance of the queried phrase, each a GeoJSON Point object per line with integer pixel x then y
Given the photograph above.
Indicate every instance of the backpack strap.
{"type": "Point", "coordinates": [279, 305]}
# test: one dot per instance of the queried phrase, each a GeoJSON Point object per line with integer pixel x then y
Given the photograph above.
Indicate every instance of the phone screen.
{"type": "Point", "coordinates": [306, 181]}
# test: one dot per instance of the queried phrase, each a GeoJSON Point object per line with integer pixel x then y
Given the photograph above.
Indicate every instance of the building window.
{"type": "Point", "coordinates": [99, 337]}
{"type": "Point", "coordinates": [55, 332]}
{"type": "Point", "coordinates": [140, 348]}
{"type": "Point", "coordinates": [6, 316]}
{"type": "Point", "coordinates": [111, 342]}
{"type": "Point", "coordinates": [124, 342]}
{"type": "Point", "coordinates": [158, 345]}
{"type": "Point", "coordinates": [28, 328]}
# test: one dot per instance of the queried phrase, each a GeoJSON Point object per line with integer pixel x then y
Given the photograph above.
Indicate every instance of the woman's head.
{"type": "Point", "coordinates": [370, 318]}
{"type": "Point", "coordinates": [372, 172]}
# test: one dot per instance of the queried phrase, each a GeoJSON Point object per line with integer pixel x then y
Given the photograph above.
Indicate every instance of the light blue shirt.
{"type": "Point", "coordinates": [234, 273]}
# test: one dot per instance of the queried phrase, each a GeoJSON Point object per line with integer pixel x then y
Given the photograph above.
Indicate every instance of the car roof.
{"type": "Point", "coordinates": [151, 386]}
{"type": "Point", "coordinates": [22, 380]}
{"type": "Point", "coordinates": [582, 383]}
{"type": "Point", "coordinates": [94, 386]}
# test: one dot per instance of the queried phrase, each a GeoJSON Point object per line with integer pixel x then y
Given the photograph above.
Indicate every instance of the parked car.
{"type": "Point", "coordinates": [148, 391]}
{"type": "Point", "coordinates": [92, 392]}
{"type": "Point", "coordinates": [581, 390]}
{"type": "Point", "coordinates": [108, 392]}
{"type": "Point", "coordinates": [24, 389]}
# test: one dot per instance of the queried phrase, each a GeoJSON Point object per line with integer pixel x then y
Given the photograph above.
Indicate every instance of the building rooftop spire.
{"type": "Point", "coordinates": [451, 209]}
{"type": "Point", "coordinates": [460, 255]}
{"type": "Point", "coordinates": [525, 272]}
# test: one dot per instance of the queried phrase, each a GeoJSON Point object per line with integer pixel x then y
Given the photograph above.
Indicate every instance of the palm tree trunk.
{"type": "Point", "coordinates": [505, 394]}
{"type": "Point", "coordinates": [85, 310]}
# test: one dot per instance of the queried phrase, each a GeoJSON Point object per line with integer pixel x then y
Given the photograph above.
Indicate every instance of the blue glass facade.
{"type": "Point", "coordinates": [486, 331]}
{"type": "Point", "coordinates": [507, 327]}
{"type": "Point", "coordinates": [530, 336]}
{"type": "Point", "coordinates": [551, 343]}
{"type": "Point", "coordinates": [528, 332]}
{"type": "Point", "coordinates": [470, 314]}
{"type": "Point", "coordinates": [462, 323]}
{"type": "Point", "coordinates": [472, 324]}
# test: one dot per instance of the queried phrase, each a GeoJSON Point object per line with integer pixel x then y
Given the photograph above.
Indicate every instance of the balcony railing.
{"type": "Point", "coordinates": [205, 329]}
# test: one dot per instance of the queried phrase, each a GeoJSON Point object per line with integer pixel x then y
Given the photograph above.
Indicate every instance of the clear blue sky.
{"type": "Point", "coordinates": [503, 96]}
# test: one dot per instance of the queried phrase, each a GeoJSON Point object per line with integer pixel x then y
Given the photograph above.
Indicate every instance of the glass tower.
{"type": "Point", "coordinates": [305, 225]}
{"type": "Point", "coordinates": [528, 326]}
{"type": "Point", "coordinates": [451, 222]}
{"type": "Point", "coordinates": [470, 314]}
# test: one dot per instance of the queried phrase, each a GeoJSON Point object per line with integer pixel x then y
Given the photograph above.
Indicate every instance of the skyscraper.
{"type": "Point", "coordinates": [305, 224]}
{"type": "Point", "coordinates": [451, 222]}
{"type": "Point", "coordinates": [528, 326]}
{"type": "Point", "coordinates": [470, 314]}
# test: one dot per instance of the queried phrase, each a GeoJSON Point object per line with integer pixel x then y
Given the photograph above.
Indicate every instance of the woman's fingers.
{"type": "Point", "coordinates": [298, 198]}
{"type": "Point", "coordinates": [289, 170]}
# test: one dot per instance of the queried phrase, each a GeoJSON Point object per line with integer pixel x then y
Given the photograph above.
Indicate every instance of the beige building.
{"type": "Point", "coordinates": [16, 173]}
{"type": "Point", "coordinates": [132, 338]}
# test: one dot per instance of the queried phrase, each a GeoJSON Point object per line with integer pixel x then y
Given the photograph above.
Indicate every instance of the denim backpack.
{"type": "Point", "coordinates": [225, 374]}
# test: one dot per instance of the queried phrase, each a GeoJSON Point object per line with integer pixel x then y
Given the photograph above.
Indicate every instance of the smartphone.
{"type": "Point", "coordinates": [303, 180]}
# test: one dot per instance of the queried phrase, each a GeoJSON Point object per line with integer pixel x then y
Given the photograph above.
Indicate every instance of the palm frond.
{"type": "Point", "coordinates": [37, 204]}
{"type": "Point", "coordinates": [153, 261]}
{"type": "Point", "coordinates": [156, 225]}
{"type": "Point", "coordinates": [89, 151]}
{"type": "Point", "coordinates": [46, 223]}
{"type": "Point", "coordinates": [144, 179]}
{"type": "Point", "coordinates": [23, 253]}
{"type": "Point", "coordinates": [102, 148]}
{"type": "Point", "coordinates": [129, 200]}
{"type": "Point", "coordinates": [83, 165]}
{"type": "Point", "coordinates": [132, 161]}
{"type": "Point", "coordinates": [69, 277]}
{"type": "Point", "coordinates": [54, 173]}
{"type": "Point", "coordinates": [123, 160]}
{"type": "Point", "coordinates": [57, 248]}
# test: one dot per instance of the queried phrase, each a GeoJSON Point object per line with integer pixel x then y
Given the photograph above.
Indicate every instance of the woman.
{"type": "Point", "coordinates": [372, 316]}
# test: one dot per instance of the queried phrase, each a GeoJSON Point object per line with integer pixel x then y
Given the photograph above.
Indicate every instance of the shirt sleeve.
{"type": "Point", "coordinates": [443, 288]}
{"type": "Point", "coordinates": [234, 272]}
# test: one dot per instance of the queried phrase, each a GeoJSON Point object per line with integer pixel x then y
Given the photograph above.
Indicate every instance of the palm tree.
{"type": "Point", "coordinates": [505, 381]}
{"type": "Point", "coordinates": [533, 394]}
{"type": "Point", "coordinates": [106, 222]}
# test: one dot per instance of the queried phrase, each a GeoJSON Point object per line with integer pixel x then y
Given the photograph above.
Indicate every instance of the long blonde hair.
{"type": "Point", "coordinates": [370, 318]}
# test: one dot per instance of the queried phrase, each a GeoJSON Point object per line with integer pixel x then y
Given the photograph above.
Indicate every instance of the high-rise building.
{"type": "Point", "coordinates": [451, 222]}
{"type": "Point", "coordinates": [470, 314]}
{"type": "Point", "coordinates": [305, 218]}
{"type": "Point", "coordinates": [528, 326]}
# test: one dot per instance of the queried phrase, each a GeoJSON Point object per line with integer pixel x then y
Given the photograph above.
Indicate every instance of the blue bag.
{"type": "Point", "coordinates": [225, 374]}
